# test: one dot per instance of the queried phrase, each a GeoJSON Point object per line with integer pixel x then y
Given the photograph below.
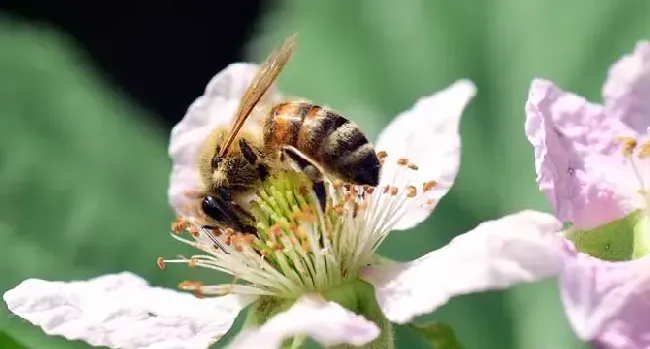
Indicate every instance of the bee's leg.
{"type": "Point", "coordinates": [252, 158]}
{"type": "Point", "coordinates": [310, 170]}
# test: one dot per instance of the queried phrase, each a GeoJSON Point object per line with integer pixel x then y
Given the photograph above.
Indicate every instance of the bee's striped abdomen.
{"type": "Point", "coordinates": [325, 136]}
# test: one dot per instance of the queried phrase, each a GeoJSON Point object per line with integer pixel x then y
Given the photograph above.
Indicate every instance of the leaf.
{"type": "Point", "coordinates": [438, 335]}
{"type": "Point", "coordinates": [84, 174]}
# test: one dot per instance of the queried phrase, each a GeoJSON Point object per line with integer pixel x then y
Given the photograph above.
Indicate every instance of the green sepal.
{"type": "Point", "coordinates": [614, 241]}
{"type": "Point", "coordinates": [439, 335]}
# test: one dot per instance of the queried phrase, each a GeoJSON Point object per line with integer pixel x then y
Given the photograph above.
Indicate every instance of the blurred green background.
{"type": "Point", "coordinates": [84, 170]}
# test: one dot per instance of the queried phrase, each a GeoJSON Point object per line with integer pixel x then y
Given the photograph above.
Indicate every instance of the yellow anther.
{"type": "Point", "coordinates": [385, 189]}
{"type": "Point", "coordinates": [644, 150]}
{"type": "Point", "coordinates": [426, 186]}
{"type": "Point", "coordinates": [393, 191]}
{"type": "Point", "coordinates": [412, 166]}
{"type": "Point", "coordinates": [411, 191]}
{"type": "Point", "coordinates": [161, 263]}
{"type": "Point", "coordinates": [382, 155]}
{"type": "Point", "coordinates": [402, 161]}
{"type": "Point", "coordinates": [628, 144]}
{"type": "Point", "coordinates": [193, 262]}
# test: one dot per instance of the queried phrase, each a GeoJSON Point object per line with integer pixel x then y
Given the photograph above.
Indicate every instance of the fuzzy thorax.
{"type": "Point", "coordinates": [299, 246]}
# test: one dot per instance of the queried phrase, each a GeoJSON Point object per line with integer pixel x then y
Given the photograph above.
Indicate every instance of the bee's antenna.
{"type": "Point", "coordinates": [214, 239]}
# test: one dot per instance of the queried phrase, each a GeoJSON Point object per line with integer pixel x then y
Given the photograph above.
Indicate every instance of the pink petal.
{"type": "Point", "coordinates": [608, 303]}
{"type": "Point", "coordinates": [628, 87]}
{"type": "Point", "coordinates": [326, 322]}
{"type": "Point", "coordinates": [522, 247]}
{"type": "Point", "coordinates": [576, 150]}
{"type": "Point", "coordinates": [121, 311]}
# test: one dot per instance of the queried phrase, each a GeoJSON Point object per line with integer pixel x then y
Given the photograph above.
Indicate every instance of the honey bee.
{"type": "Point", "coordinates": [235, 160]}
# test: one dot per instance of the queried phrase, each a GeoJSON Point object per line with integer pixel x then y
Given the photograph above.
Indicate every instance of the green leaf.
{"type": "Point", "coordinates": [84, 174]}
{"type": "Point", "coordinates": [438, 335]}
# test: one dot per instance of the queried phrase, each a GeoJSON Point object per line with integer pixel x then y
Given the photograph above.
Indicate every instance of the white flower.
{"type": "Point", "coordinates": [308, 251]}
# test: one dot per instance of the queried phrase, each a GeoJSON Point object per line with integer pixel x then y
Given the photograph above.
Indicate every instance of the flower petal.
{"type": "Point", "coordinates": [122, 311]}
{"type": "Point", "coordinates": [521, 247]}
{"type": "Point", "coordinates": [427, 135]}
{"type": "Point", "coordinates": [608, 303]}
{"type": "Point", "coordinates": [575, 152]}
{"type": "Point", "coordinates": [215, 108]}
{"type": "Point", "coordinates": [326, 322]}
{"type": "Point", "coordinates": [628, 87]}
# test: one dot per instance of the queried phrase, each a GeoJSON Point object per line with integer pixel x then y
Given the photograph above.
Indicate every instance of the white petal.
{"type": "Point", "coordinates": [122, 311]}
{"type": "Point", "coordinates": [326, 322]}
{"type": "Point", "coordinates": [426, 135]}
{"type": "Point", "coordinates": [215, 108]}
{"type": "Point", "coordinates": [521, 247]}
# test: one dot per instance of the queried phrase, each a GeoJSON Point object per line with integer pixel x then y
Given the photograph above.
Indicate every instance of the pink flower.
{"type": "Point", "coordinates": [592, 164]}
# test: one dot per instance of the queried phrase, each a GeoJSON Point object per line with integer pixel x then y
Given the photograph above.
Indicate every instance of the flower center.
{"type": "Point", "coordinates": [300, 246]}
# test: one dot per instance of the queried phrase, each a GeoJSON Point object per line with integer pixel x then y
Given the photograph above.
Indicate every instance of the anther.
{"type": "Point", "coordinates": [161, 263]}
{"type": "Point", "coordinates": [370, 190]}
{"type": "Point", "coordinates": [402, 161]}
{"type": "Point", "coordinates": [411, 191]}
{"type": "Point", "coordinates": [393, 191]}
{"type": "Point", "coordinates": [193, 262]}
{"type": "Point", "coordinates": [381, 155]}
{"type": "Point", "coordinates": [628, 144]}
{"type": "Point", "coordinates": [180, 225]}
{"type": "Point", "coordinates": [426, 186]}
{"type": "Point", "coordinates": [412, 166]}
{"type": "Point", "coordinates": [385, 189]}
{"type": "Point", "coordinates": [644, 150]}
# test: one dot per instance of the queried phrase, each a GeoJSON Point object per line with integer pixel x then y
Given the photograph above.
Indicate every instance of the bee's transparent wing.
{"type": "Point", "coordinates": [268, 73]}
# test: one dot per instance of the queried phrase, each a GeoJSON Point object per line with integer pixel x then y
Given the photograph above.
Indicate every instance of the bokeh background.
{"type": "Point", "coordinates": [89, 93]}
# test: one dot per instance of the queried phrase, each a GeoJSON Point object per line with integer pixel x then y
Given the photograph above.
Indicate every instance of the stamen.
{"type": "Point", "coordinates": [161, 263]}
{"type": "Point", "coordinates": [644, 150]}
{"type": "Point", "coordinates": [413, 166]}
{"type": "Point", "coordinates": [393, 191]}
{"type": "Point", "coordinates": [411, 191]}
{"type": "Point", "coordinates": [402, 161]}
{"type": "Point", "coordinates": [628, 144]}
{"type": "Point", "coordinates": [426, 186]}
{"type": "Point", "coordinates": [382, 155]}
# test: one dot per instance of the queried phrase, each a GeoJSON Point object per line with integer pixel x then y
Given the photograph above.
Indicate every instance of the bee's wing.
{"type": "Point", "coordinates": [264, 78]}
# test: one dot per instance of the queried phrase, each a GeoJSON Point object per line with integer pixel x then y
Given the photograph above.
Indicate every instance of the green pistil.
{"type": "Point", "coordinates": [286, 214]}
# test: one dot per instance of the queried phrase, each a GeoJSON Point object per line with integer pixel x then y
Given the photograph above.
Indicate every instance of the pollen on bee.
{"type": "Point", "coordinates": [426, 186]}
{"type": "Point", "coordinates": [161, 263]}
{"type": "Point", "coordinates": [393, 191]}
{"type": "Point", "coordinates": [628, 144]}
{"type": "Point", "coordinates": [411, 191]}
{"type": "Point", "coordinates": [402, 161]}
{"type": "Point", "coordinates": [412, 166]}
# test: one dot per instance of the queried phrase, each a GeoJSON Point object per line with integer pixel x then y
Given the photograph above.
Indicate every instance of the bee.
{"type": "Point", "coordinates": [316, 140]}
